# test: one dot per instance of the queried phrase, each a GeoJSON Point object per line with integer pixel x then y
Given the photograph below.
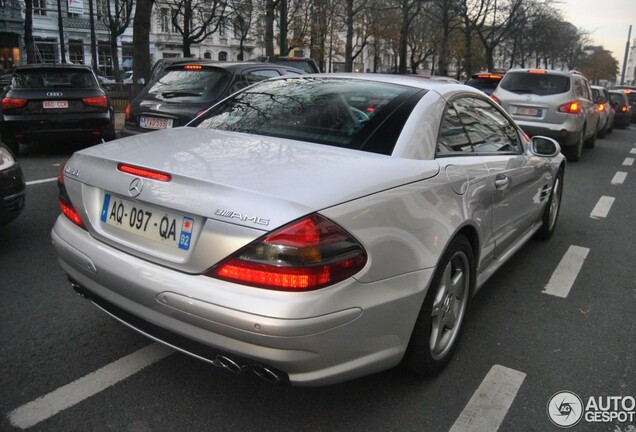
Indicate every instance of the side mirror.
{"type": "Point", "coordinates": [544, 146]}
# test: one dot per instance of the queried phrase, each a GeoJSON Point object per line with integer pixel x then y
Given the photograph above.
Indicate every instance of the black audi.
{"type": "Point", "coordinates": [52, 103]}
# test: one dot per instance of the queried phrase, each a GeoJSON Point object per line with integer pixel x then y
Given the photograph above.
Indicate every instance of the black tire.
{"type": "Point", "coordinates": [574, 153]}
{"type": "Point", "coordinates": [552, 207]}
{"type": "Point", "coordinates": [438, 327]}
{"type": "Point", "coordinates": [602, 132]}
{"type": "Point", "coordinates": [591, 141]}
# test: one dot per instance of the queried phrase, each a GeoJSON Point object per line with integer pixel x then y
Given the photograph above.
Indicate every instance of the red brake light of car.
{"type": "Point", "coordinates": [127, 112]}
{"type": "Point", "coordinates": [144, 172]}
{"type": "Point", "coordinates": [601, 107]}
{"type": "Point", "coordinates": [192, 67]}
{"type": "Point", "coordinates": [98, 101]}
{"type": "Point", "coordinates": [570, 108]}
{"type": "Point", "coordinates": [493, 76]}
{"type": "Point", "coordinates": [623, 108]}
{"type": "Point", "coordinates": [537, 71]}
{"type": "Point", "coordinates": [12, 103]}
{"type": "Point", "coordinates": [305, 255]}
{"type": "Point", "coordinates": [65, 202]}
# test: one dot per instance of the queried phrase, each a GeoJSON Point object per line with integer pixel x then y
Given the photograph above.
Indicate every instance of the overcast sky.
{"type": "Point", "coordinates": [607, 21]}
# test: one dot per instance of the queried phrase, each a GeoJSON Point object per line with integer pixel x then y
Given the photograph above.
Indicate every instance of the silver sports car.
{"type": "Point", "coordinates": [312, 229]}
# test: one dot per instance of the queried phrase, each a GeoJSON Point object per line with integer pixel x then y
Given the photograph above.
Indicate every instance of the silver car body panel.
{"type": "Point", "coordinates": [403, 209]}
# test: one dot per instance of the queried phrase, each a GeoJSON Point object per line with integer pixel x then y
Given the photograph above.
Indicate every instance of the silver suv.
{"type": "Point", "coordinates": [557, 104]}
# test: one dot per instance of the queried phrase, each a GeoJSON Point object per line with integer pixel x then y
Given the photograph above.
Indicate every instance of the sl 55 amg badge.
{"type": "Point", "coordinates": [242, 217]}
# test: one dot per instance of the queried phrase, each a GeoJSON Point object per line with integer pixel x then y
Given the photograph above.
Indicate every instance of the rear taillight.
{"type": "Point", "coordinates": [13, 103]}
{"type": "Point", "coordinates": [144, 172]}
{"type": "Point", "coordinates": [65, 202]}
{"type": "Point", "coordinates": [127, 112]}
{"type": "Point", "coordinates": [570, 108]}
{"type": "Point", "coordinates": [97, 101]}
{"type": "Point", "coordinates": [307, 254]}
{"type": "Point", "coordinates": [601, 107]}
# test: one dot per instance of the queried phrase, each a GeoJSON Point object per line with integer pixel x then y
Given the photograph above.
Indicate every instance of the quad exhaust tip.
{"type": "Point", "coordinates": [235, 366]}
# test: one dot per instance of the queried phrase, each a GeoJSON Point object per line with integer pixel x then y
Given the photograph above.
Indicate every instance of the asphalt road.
{"type": "Point", "coordinates": [521, 345]}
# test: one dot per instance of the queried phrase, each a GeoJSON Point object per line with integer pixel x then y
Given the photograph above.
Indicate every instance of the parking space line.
{"type": "Point", "coordinates": [619, 178]}
{"type": "Point", "coordinates": [71, 394]}
{"type": "Point", "coordinates": [34, 182]}
{"type": "Point", "coordinates": [633, 151]}
{"type": "Point", "coordinates": [490, 403]}
{"type": "Point", "coordinates": [628, 161]}
{"type": "Point", "coordinates": [566, 272]}
{"type": "Point", "coordinates": [602, 208]}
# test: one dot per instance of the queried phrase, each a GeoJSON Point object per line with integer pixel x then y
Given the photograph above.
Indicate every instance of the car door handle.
{"type": "Point", "coordinates": [501, 182]}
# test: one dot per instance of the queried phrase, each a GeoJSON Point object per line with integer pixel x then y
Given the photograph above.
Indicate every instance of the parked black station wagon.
{"type": "Point", "coordinates": [50, 103]}
{"type": "Point", "coordinates": [184, 90]}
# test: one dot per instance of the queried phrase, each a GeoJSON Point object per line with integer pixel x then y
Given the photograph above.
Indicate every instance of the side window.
{"type": "Point", "coordinates": [452, 138]}
{"type": "Point", "coordinates": [488, 129]}
{"type": "Point", "coordinates": [254, 76]}
{"type": "Point", "coordinates": [579, 88]}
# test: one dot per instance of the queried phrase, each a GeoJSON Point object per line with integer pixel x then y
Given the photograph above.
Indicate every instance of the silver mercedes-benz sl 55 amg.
{"type": "Point", "coordinates": [313, 228]}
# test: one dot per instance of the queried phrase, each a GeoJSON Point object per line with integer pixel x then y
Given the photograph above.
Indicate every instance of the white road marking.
{"type": "Point", "coordinates": [628, 161]}
{"type": "Point", "coordinates": [488, 406]}
{"type": "Point", "coordinates": [71, 394]}
{"type": "Point", "coordinates": [602, 207]}
{"type": "Point", "coordinates": [632, 151]}
{"type": "Point", "coordinates": [619, 177]}
{"type": "Point", "coordinates": [566, 272]}
{"type": "Point", "coordinates": [34, 182]}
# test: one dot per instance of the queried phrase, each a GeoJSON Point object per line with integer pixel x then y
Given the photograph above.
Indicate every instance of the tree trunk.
{"type": "Point", "coordinates": [270, 9]}
{"type": "Point", "coordinates": [349, 37]}
{"type": "Point", "coordinates": [141, 47]}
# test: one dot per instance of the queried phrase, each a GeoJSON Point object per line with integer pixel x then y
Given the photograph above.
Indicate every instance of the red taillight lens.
{"type": "Point", "coordinates": [65, 202]}
{"type": "Point", "coordinates": [601, 107]}
{"type": "Point", "coordinates": [144, 172]}
{"type": "Point", "coordinates": [570, 108]}
{"type": "Point", "coordinates": [308, 254]}
{"type": "Point", "coordinates": [127, 112]}
{"type": "Point", "coordinates": [98, 101]}
{"type": "Point", "coordinates": [13, 103]}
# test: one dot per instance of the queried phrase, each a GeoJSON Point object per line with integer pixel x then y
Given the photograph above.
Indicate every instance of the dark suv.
{"type": "Point", "coordinates": [184, 90]}
{"type": "Point", "coordinates": [557, 104]}
{"type": "Point", "coordinates": [630, 92]}
{"type": "Point", "coordinates": [53, 103]}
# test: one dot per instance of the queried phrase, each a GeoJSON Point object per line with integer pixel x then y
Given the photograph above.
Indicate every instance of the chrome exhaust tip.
{"type": "Point", "coordinates": [229, 364]}
{"type": "Point", "coordinates": [267, 374]}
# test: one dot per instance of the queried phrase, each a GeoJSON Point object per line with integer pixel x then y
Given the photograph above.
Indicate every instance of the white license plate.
{"type": "Point", "coordinates": [148, 222]}
{"type": "Point", "coordinates": [531, 112]}
{"type": "Point", "coordinates": [55, 104]}
{"type": "Point", "coordinates": [154, 122]}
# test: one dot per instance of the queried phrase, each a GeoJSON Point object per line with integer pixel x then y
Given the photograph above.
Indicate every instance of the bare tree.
{"type": "Point", "coordinates": [196, 20]}
{"type": "Point", "coordinates": [502, 19]}
{"type": "Point", "coordinates": [141, 45]}
{"type": "Point", "coordinates": [243, 15]}
{"type": "Point", "coordinates": [117, 20]}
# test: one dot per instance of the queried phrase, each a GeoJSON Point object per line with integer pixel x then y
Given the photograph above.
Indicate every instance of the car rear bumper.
{"type": "Point", "coordinates": [12, 194]}
{"type": "Point", "coordinates": [314, 338]}
{"type": "Point", "coordinates": [565, 134]}
{"type": "Point", "coordinates": [91, 128]}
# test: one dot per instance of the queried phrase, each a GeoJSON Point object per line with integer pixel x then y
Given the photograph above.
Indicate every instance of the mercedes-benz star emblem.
{"type": "Point", "coordinates": [135, 187]}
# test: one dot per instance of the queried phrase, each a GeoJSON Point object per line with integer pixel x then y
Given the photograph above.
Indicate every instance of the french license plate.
{"type": "Point", "coordinates": [531, 112]}
{"type": "Point", "coordinates": [55, 104]}
{"type": "Point", "coordinates": [148, 222]}
{"type": "Point", "coordinates": [154, 122]}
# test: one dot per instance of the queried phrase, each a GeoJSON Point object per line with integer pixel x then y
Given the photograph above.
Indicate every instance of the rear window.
{"type": "Point", "coordinates": [195, 84]}
{"type": "Point", "coordinates": [53, 78]}
{"type": "Point", "coordinates": [305, 65]}
{"type": "Point", "coordinates": [338, 112]}
{"type": "Point", "coordinates": [539, 84]}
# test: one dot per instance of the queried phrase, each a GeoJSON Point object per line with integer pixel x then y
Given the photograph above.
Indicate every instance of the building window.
{"type": "Point", "coordinates": [222, 56]}
{"type": "Point", "coordinates": [222, 30]}
{"type": "Point", "coordinates": [207, 55]}
{"type": "Point", "coordinates": [76, 51]}
{"type": "Point", "coordinates": [45, 50]}
{"type": "Point", "coordinates": [39, 7]}
{"type": "Point", "coordinates": [101, 8]}
{"type": "Point", "coordinates": [165, 21]}
{"type": "Point", "coordinates": [105, 59]}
